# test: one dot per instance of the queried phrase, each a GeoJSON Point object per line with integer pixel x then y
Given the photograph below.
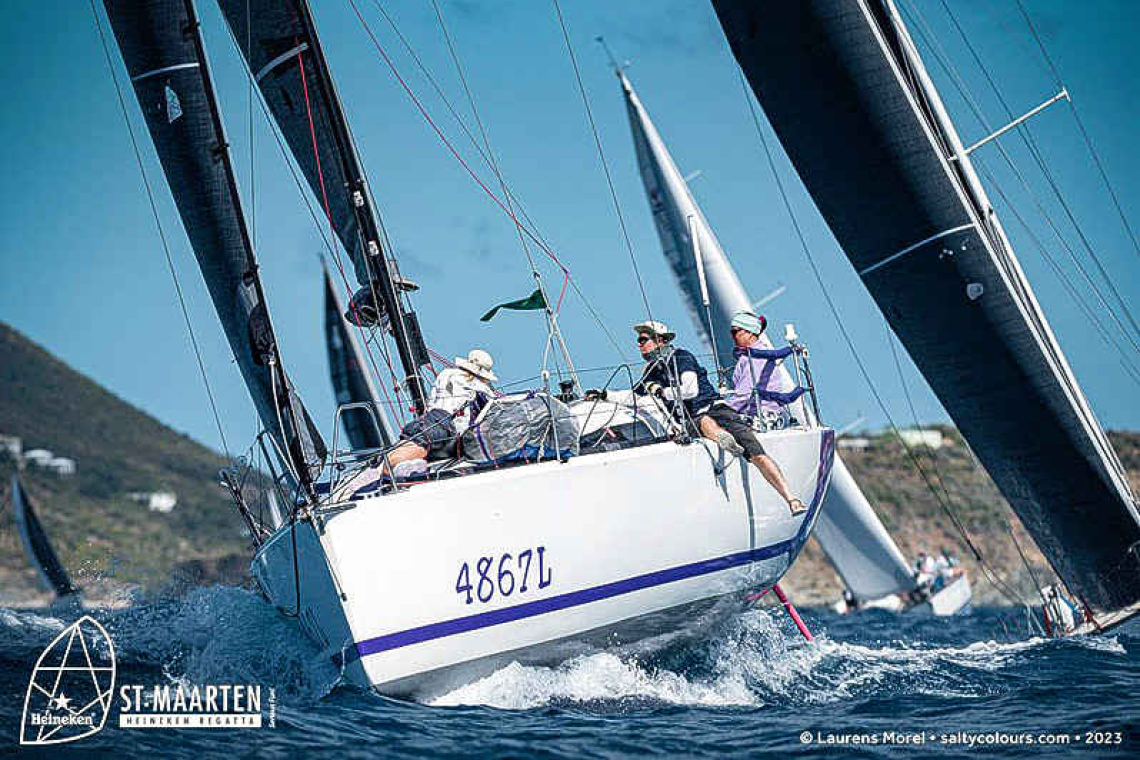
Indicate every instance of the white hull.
{"type": "Point", "coordinates": [953, 598]}
{"type": "Point", "coordinates": [612, 547]}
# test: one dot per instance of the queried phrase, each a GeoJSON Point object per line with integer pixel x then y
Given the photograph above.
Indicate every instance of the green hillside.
{"type": "Point", "coordinates": [100, 534]}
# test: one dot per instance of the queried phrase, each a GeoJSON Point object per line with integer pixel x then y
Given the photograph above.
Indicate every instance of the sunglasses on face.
{"type": "Point", "coordinates": [643, 339]}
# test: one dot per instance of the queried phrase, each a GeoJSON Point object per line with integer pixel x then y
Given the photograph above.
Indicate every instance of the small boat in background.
{"type": "Point", "coordinates": [39, 550]}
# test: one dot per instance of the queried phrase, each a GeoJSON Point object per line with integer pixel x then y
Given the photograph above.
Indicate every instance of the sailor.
{"type": "Point", "coordinates": [459, 394]}
{"type": "Point", "coordinates": [674, 376]}
{"type": "Point", "coordinates": [758, 390]}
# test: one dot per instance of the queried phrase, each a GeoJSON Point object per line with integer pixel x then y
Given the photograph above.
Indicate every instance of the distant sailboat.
{"type": "Point", "coordinates": [860, 549]}
{"type": "Point", "coordinates": [38, 549]}
{"type": "Point", "coordinates": [846, 91]}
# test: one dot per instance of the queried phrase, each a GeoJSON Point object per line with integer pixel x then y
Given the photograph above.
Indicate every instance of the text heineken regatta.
{"type": "Point", "coordinates": [210, 706]}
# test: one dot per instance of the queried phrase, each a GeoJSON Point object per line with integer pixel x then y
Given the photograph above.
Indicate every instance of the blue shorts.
{"type": "Point", "coordinates": [435, 431]}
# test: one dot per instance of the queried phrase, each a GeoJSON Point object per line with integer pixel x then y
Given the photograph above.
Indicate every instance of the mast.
{"type": "Point", "coordinates": [288, 62]}
{"type": "Point", "coordinates": [849, 531]}
{"type": "Point", "coordinates": [845, 92]}
{"type": "Point", "coordinates": [162, 46]}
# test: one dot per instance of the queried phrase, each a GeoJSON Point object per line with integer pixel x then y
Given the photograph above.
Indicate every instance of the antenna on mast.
{"type": "Point", "coordinates": [617, 67]}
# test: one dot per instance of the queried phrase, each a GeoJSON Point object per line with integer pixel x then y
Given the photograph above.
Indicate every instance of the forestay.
{"type": "Point", "coordinates": [160, 43]}
{"type": "Point", "coordinates": [848, 97]}
{"type": "Point", "coordinates": [848, 530]}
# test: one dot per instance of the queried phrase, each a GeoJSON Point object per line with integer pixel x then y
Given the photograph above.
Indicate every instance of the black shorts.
{"type": "Point", "coordinates": [435, 431]}
{"type": "Point", "coordinates": [736, 425]}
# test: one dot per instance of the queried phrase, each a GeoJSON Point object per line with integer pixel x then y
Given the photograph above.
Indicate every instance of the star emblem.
{"type": "Point", "coordinates": [62, 702]}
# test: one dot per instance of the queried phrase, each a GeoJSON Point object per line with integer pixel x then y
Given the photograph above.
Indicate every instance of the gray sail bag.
{"type": "Point", "coordinates": [522, 426]}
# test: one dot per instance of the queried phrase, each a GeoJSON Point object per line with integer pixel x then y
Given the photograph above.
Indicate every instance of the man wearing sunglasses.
{"type": "Point", "coordinates": [676, 377]}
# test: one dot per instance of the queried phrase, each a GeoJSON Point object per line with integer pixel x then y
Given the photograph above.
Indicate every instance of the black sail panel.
{"type": "Point", "coordinates": [36, 544]}
{"type": "Point", "coordinates": [278, 39]}
{"type": "Point", "coordinates": [160, 44]}
{"type": "Point", "coordinates": [350, 378]}
{"type": "Point", "coordinates": [276, 45]}
{"type": "Point", "coordinates": [828, 76]}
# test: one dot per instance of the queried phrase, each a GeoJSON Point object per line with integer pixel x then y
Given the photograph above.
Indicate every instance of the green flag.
{"type": "Point", "coordinates": [531, 303]}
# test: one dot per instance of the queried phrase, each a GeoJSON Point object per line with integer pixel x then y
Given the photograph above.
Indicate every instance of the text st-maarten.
{"type": "Point", "coordinates": [212, 698]}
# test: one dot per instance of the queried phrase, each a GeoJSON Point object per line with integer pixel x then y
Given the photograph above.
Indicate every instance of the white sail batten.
{"type": "Point", "coordinates": [850, 533]}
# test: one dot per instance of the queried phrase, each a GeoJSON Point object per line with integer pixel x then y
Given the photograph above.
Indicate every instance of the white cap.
{"type": "Point", "coordinates": [660, 329]}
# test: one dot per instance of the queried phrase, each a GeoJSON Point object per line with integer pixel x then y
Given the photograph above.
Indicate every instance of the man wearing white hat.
{"type": "Point", "coordinates": [457, 397]}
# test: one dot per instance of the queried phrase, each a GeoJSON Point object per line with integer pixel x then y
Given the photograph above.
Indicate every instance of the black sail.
{"type": "Point", "coordinates": [279, 41]}
{"type": "Point", "coordinates": [36, 544]}
{"type": "Point", "coordinates": [838, 87]}
{"type": "Point", "coordinates": [350, 379]}
{"type": "Point", "coordinates": [161, 45]}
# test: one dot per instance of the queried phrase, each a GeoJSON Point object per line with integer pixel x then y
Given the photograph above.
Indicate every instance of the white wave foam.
{"type": "Point", "coordinates": [593, 678]}
{"type": "Point", "coordinates": [755, 662]}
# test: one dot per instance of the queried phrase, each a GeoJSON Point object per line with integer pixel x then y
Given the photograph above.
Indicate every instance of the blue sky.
{"type": "Point", "coordinates": [82, 271]}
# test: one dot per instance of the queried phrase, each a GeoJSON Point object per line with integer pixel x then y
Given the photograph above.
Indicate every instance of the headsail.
{"type": "Point", "coordinates": [37, 547]}
{"type": "Point", "coordinates": [846, 92]}
{"type": "Point", "coordinates": [350, 378]}
{"type": "Point", "coordinates": [278, 39]}
{"type": "Point", "coordinates": [848, 530]}
{"type": "Point", "coordinates": [161, 45]}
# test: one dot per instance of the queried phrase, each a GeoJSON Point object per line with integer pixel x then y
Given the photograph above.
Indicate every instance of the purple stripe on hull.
{"type": "Point", "coordinates": [608, 590]}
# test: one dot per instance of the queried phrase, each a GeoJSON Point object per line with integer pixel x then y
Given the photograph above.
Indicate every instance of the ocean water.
{"type": "Point", "coordinates": [871, 685]}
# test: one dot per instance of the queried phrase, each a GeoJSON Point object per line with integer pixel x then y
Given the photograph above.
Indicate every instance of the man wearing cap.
{"type": "Point", "coordinates": [676, 377]}
{"type": "Point", "coordinates": [756, 385]}
{"type": "Point", "coordinates": [459, 394]}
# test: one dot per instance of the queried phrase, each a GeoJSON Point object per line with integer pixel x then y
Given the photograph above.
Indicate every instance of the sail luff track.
{"type": "Point", "coordinates": [161, 45]}
{"type": "Point", "coordinates": [865, 138]}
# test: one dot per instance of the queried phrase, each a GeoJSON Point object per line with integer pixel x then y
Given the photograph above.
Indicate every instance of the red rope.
{"type": "Point", "coordinates": [447, 143]}
{"type": "Point", "coordinates": [333, 233]}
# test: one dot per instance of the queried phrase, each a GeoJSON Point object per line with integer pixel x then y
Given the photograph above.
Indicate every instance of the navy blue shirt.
{"type": "Point", "coordinates": [667, 373]}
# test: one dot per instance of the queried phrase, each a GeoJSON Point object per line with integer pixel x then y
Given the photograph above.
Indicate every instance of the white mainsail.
{"type": "Point", "coordinates": [849, 531]}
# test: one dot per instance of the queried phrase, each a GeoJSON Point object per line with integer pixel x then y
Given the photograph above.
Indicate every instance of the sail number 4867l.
{"type": "Point", "coordinates": [505, 575]}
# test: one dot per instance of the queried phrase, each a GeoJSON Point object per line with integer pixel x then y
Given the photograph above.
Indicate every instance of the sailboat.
{"type": "Point", "coordinates": [39, 551]}
{"type": "Point", "coordinates": [851, 535]}
{"type": "Point", "coordinates": [845, 89]}
{"type": "Point", "coordinates": [416, 587]}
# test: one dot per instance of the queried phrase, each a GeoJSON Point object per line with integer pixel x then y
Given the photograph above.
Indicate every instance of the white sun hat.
{"type": "Point", "coordinates": [660, 329]}
{"type": "Point", "coordinates": [478, 363]}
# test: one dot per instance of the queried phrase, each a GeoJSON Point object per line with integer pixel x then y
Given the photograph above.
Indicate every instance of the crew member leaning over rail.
{"type": "Point", "coordinates": [676, 377]}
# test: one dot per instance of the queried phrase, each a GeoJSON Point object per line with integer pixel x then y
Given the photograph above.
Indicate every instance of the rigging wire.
{"type": "Point", "coordinates": [318, 225]}
{"type": "Point", "coordinates": [553, 331]}
{"type": "Point", "coordinates": [959, 83]}
{"type": "Point", "coordinates": [328, 214]}
{"type": "Point", "coordinates": [1027, 138]}
{"type": "Point", "coordinates": [991, 574]}
{"type": "Point", "coordinates": [1081, 127]}
{"type": "Point", "coordinates": [602, 158]}
{"type": "Point", "coordinates": [963, 533]}
{"type": "Point", "coordinates": [1129, 368]}
{"type": "Point", "coordinates": [161, 232]}
{"type": "Point", "coordinates": [537, 235]}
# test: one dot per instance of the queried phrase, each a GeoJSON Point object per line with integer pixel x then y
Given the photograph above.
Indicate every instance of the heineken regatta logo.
{"type": "Point", "coordinates": [69, 694]}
